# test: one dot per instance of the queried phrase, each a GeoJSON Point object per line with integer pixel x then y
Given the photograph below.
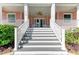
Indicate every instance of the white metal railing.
{"type": "Point", "coordinates": [16, 22]}
{"type": "Point", "coordinates": [67, 24]}
{"type": "Point", "coordinates": [59, 32]}
{"type": "Point", "coordinates": [59, 27]}
{"type": "Point", "coordinates": [19, 32]}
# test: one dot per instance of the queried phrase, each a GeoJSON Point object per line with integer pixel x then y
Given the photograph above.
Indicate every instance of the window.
{"type": "Point", "coordinates": [11, 17]}
{"type": "Point", "coordinates": [67, 17]}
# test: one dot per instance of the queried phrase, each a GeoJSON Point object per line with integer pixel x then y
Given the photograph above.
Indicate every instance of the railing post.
{"type": "Point", "coordinates": [15, 41]}
{"type": "Point", "coordinates": [63, 39]}
{"type": "Point", "coordinates": [1, 15]}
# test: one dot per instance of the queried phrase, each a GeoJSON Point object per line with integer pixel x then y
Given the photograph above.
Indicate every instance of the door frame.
{"type": "Point", "coordinates": [39, 20]}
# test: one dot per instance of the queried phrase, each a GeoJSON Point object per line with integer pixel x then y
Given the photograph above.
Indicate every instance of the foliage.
{"type": "Point", "coordinates": [6, 34]}
{"type": "Point", "coordinates": [72, 36]}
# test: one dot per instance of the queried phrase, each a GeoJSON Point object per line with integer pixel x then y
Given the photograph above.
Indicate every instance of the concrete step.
{"type": "Point", "coordinates": [45, 37]}
{"type": "Point", "coordinates": [39, 29]}
{"type": "Point", "coordinates": [39, 40]}
{"type": "Point", "coordinates": [41, 50]}
{"type": "Point", "coordinates": [41, 32]}
{"type": "Point", "coordinates": [42, 41]}
{"type": "Point", "coordinates": [42, 45]}
{"type": "Point", "coordinates": [41, 53]}
{"type": "Point", "coordinates": [40, 35]}
{"type": "Point", "coordinates": [27, 46]}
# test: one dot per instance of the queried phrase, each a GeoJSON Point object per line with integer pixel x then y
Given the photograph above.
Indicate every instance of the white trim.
{"type": "Point", "coordinates": [40, 4]}
{"type": "Point", "coordinates": [11, 4]}
{"type": "Point", "coordinates": [11, 14]}
{"type": "Point", "coordinates": [68, 14]}
{"type": "Point", "coordinates": [15, 41]}
{"type": "Point", "coordinates": [63, 39]}
{"type": "Point", "coordinates": [26, 13]}
{"type": "Point", "coordinates": [52, 20]}
{"type": "Point", "coordinates": [1, 15]}
{"type": "Point", "coordinates": [66, 4]}
{"type": "Point", "coordinates": [78, 16]}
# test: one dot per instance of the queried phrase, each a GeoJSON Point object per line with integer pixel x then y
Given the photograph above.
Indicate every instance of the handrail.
{"type": "Point", "coordinates": [16, 22]}
{"type": "Point", "coordinates": [19, 32]}
{"type": "Point", "coordinates": [65, 22]}
{"type": "Point", "coordinates": [60, 33]}
{"type": "Point", "coordinates": [68, 24]}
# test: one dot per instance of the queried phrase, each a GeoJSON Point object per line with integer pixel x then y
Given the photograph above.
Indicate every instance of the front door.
{"type": "Point", "coordinates": [39, 23]}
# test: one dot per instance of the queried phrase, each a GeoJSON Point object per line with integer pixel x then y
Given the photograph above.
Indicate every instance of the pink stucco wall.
{"type": "Point", "coordinates": [19, 15]}
{"type": "Point", "coordinates": [60, 15]}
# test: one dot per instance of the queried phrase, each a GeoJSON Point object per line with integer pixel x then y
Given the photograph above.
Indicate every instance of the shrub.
{"type": "Point", "coordinates": [72, 36]}
{"type": "Point", "coordinates": [6, 34]}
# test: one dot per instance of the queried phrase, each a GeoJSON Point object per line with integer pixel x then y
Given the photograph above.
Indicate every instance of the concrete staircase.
{"type": "Point", "coordinates": [40, 41]}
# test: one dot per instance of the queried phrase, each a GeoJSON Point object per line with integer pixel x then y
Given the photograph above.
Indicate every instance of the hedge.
{"type": "Point", "coordinates": [6, 34]}
{"type": "Point", "coordinates": [72, 36]}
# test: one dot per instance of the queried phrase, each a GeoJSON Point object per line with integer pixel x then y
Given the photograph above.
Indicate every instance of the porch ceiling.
{"type": "Point", "coordinates": [13, 8]}
{"type": "Point", "coordinates": [36, 8]}
{"type": "Point", "coordinates": [65, 7]}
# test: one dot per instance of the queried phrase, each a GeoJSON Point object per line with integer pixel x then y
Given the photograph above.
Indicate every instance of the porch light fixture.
{"type": "Point", "coordinates": [40, 13]}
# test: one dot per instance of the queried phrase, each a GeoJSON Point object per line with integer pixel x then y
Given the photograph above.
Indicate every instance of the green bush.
{"type": "Point", "coordinates": [72, 36]}
{"type": "Point", "coordinates": [6, 34]}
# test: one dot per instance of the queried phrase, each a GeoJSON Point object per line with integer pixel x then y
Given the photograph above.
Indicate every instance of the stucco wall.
{"type": "Point", "coordinates": [32, 21]}
{"type": "Point", "coordinates": [60, 15]}
{"type": "Point", "coordinates": [19, 15]}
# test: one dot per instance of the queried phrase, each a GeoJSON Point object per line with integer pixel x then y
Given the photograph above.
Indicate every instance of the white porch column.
{"type": "Point", "coordinates": [63, 39]}
{"type": "Point", "coordinates": [26, 19]}
{"type": "Point", "coordinates": [78, 16]}
{"type": "Point", "coordinates": [26, 12]}
{"type": "Point", "coordinates": [52, 20]}
{"type": "Point", "coordinates": [16, 43]}
{"type": "Point", "coordinates": [0, 14]}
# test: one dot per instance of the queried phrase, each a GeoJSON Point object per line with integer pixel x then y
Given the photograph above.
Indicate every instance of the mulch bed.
{"type": "Point", "coordinates": [6, 48]}
{"type": "Point", "coordinates": [73, 48]}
